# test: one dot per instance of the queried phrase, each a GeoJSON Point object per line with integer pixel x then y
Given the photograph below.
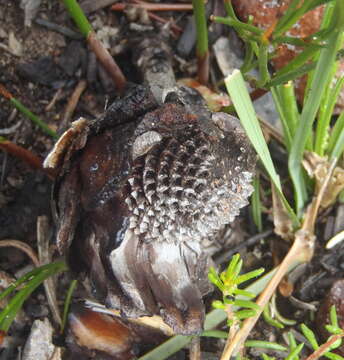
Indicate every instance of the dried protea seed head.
{"type": "Point", "coordinates": [192, 178]}
{"type": "Point", "coordinates": [138, 199]}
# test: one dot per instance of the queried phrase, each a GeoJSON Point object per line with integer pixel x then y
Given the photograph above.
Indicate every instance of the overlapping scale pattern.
{"type": "Point", "coordinates": [173, 195]}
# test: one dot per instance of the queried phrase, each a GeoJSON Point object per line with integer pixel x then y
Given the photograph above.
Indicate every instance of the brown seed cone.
{"type": "Point", "coordinates": [138, 193]}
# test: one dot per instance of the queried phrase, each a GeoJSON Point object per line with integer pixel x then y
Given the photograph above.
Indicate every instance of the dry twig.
{"type": "Point", "coordinates": [73, 102]}
{"type": "Point", "coordinates": [324, 347]}
{"type": "Point", "coordinates": [27, 156]}
{"type": "Point", "coordinates": [21, 246]}
{"type": "Point", "coordinates": [107, 61]}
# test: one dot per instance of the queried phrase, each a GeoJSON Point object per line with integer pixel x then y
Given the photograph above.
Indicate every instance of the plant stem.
{"type": "Point", "coordinates": [25, 155]}
{"type": "Point", "coordinates": [324, 347]}
{"type": "Point", "coordinates": [202, 41]}
{"type": "Point", "coordinates": [96, 46]}
{"type": "Point", "coordinates": [237, 24]}
{"type": "Point", "coordinates": [34, 118]}
{"type": "Point", "coordinates": [264, 75]}
{"type": "Point", "coordinates": [68, 299]}
{"type": "Point", "coordinates": [256, 204]}
{"type": "Point", "coordinates": [78, 16]}
{"type": "Point", "coordinates": [24, 110]}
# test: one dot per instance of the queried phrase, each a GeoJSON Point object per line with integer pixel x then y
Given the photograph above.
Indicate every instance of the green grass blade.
{"type": "Point", "coordinates": [22, 280]}
{"type": "Point", "coordinates": [338, 148]}
{"type": "Point", "coordinates": [298, 42]}
{"type": "Point", "coordinates": [335, 330]}
{"type": "Point", "coordinates": [256, 204]}
{"type": "Point", "coordinates": [325, 114]}
{"type": "Point", "coordinates": [10, 311]}
{"type": "Point", "coordinates": [34, 118]}
{"type": "Point", "coordinates": [243, 105]}
{"type": "Point", "coordinates": [326, 24]}
{"type": "Point", "coordinates": [201, 27]}
{"type": "Point", "coordinates": [291, 75]}
{"type": "Point", "coordinates": [321, 75]}
{"type": "Point", "coordinates": [336, 143]}
{"type": "Point", "coordinates": [68, 300]}
{"type": "Point", "coordinates": [291, 17]}
{"type": "Point", "coordinates": [244, 293]}
{"type": "Point", "coordinates": [243, 314]}
{"type": "Point", "coordinates": [290, 106]}
{"type": "Point", "coordinates": [290, 10]}
{"type": "Point", "coordinates": [78, 16]}
{"type": "Point", "coordinates": [276, 95]}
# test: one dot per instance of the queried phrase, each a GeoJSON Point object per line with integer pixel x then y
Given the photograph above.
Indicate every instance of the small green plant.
{"type": "Point", "coordinates": [228, 283]}
{"type": "Point", "coordinates": [27, 283]}
{"type": "Point", "coordinates": [26, 112]}
{"type": "Point", "coordinates": [294, 349]}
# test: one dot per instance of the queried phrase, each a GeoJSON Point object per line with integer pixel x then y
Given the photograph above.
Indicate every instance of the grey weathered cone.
{"type": "Point", "coordinates": [141, 189]}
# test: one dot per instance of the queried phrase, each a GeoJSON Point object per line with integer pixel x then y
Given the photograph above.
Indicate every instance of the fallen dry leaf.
{"type": "Point", "coordinates": [214, 100]}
